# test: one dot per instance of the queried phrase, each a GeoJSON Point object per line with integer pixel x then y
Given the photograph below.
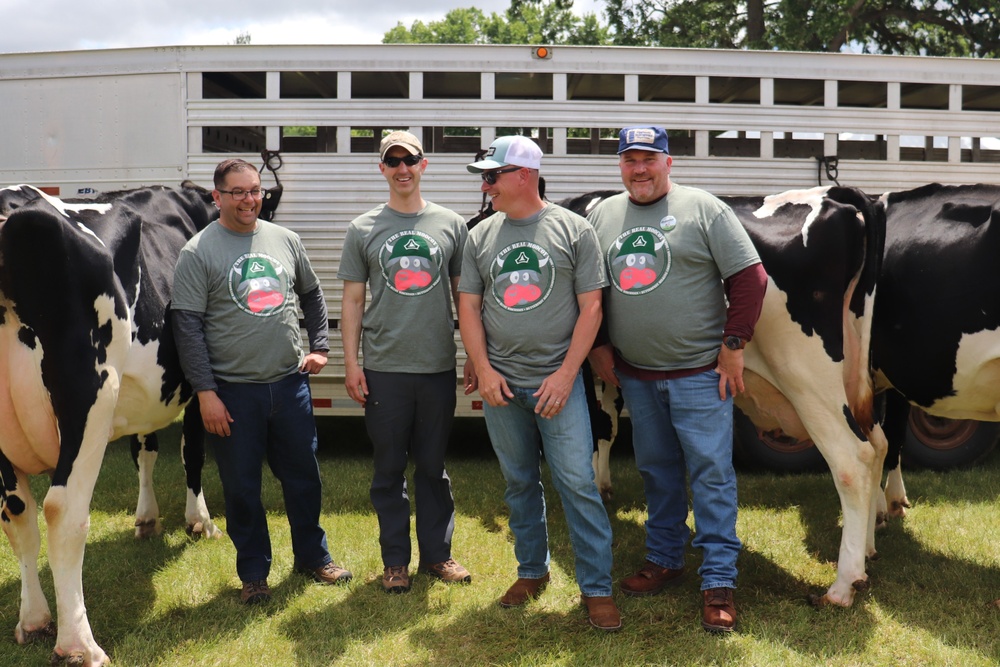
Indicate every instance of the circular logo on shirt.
{"type": "Point", "coordinates": [523, 276]}
{"type": "Point", "coordinates": [258, 284]}
{"type": "Point", "coordinates": [411, 262]}
{"type": "Point", "coordinates": [638, 260]}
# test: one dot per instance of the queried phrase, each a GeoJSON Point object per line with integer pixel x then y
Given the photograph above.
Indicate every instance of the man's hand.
{"type": "Point", "coordinates": [214, 414]}
{"type": "Point", "coordinates": [357, 384]}
{"type": "Point", "coordinates": [730, 370]}
{"type": "Point", "coordinates": [313, 362]}
{"type": "Point", "coordinates": [602, 362]}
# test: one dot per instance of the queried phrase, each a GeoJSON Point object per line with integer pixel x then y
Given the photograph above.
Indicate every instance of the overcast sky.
{"type": "Point", "coordinates": [58, 25]}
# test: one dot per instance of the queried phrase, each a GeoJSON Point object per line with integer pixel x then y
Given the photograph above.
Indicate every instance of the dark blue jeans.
{"type": "Point", "coordinates": [273, 422]}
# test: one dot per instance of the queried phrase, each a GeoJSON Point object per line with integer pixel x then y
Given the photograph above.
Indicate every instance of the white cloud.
{"type": "Point", "coordinates": [61, 25]}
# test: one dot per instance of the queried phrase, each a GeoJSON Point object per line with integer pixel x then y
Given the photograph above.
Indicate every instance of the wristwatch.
{"type": "Point", "coordinates": [734, 342]}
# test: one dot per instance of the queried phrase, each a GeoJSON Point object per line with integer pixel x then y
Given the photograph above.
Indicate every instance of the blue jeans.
{"type": "Point", "coordinates": [517, 433]}
{"type": "Point", "coordinates": [677, 422]}
{"type": "Point", "coordinates": [274, 422]}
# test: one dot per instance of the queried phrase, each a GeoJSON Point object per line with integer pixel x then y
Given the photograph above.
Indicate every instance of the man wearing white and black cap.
{"type": "Point", "coordinates": [529, 308]}
{"type": "Point", "coordinates": [409, 251]}
{"type": "Point", "coordinates": [686, 291]}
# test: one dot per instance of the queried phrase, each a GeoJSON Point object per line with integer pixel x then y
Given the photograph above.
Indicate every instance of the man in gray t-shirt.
{"type": "Point", "coordinates": [409, 251]}
{"type": "Point", "coordinates": [529, 310]}
{"type": "Point", "coordinates": [686, 291]}
{"type": "Point", "coordinates": [238, 285]}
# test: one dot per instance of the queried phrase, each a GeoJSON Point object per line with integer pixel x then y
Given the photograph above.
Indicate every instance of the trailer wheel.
{"type": "Point", "coordinates": [772, 450]}
{"type": "Point", "coordinates": [940, 444]}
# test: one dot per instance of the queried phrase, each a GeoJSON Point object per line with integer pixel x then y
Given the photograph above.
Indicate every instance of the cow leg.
{"type": "Point", "coordinates": [877, 439]}
{"type": "Point", "coordinates": [19, 518]}
{"type": "Point", "coordinates": [67, 515]}
{"type": "Point", "coordinates": [145, 449]}
{"type": "Point", "coordinates": [199, 521]}
{"type": "Point", "coordinates": [605, 435]}
{"type": "Point", "coordinates": [853, 469]}
{"type": "Point", "coordinates": [897, 412]}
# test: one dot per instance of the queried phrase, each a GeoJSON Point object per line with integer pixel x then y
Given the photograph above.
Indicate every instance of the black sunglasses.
{"type": "Point", "coordinates": [491, 176]}
{"type": "Point", "coordinates": [409, 161]}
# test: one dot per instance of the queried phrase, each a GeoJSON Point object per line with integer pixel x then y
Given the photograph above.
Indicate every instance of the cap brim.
{"type": "Point", "coordinates": [484, 165]}
{"type": "Point", "coordinates": [412, 150]}
{"type": "Point", "coordinates": [641, 147]}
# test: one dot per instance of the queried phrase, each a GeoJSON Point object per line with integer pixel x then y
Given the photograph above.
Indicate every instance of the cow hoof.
{"type": "Point", "coordinates": [78, 659]}
{"type": "Point", "coordinates": [607, 495]}
{"type": "Point", "coordinates": [881, 520]}
{"type": "Point", "coordinates": [198, 529]}
{"type": "Point", "coordinates": [862, 585]}
{"type": "Point", "coordinates": [44, 633]}
{"type": "Point", "coordinates": [145, 529]}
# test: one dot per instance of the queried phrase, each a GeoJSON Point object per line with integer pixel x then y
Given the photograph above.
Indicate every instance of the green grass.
{"type": "Point", "coordinates": [173, 600]}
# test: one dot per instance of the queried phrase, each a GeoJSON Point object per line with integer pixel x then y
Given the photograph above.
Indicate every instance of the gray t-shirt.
{"type": "Point", "coordinates": [529, 272]}
{"type": "Point", "coordinates": [666, 261]}
{"type": "Point", "coordinates": [408, 260]}
{"type": "Point", "coordinates": [245, 285]}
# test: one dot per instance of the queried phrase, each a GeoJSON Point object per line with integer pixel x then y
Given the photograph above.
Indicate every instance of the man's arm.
{"type": "Point", "coordinates": [469, 380]}
{"type": "Point", "coordinates": [317, 330]}
{"type": "Point", "coordinates": [189, 332]}
{"type": "Point", "coordinates": [556, 388]}
{"type": "Point", "coordinates": [492, 386]}
{"type": "Point", "coordinates": [352, 310]}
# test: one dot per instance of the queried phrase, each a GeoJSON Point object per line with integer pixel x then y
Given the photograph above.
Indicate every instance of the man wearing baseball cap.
{"type": "Point", "coordinates": [682, 266]}
{"type": "Point", "coordinates": [529, 307]}
{"type": "Point", "coordinates": [409, 251]}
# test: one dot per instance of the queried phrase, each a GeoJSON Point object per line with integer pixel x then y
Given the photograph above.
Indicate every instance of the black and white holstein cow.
{"type": "Point", "coordinates": [807, 369]}
{"type": "Point", "coordinates": [85, 357]}
{"type": "Point", "coordinates": [936, 331]}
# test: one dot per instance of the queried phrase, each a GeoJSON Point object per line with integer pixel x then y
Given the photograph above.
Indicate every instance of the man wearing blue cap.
{"type": "Point", "coordinates": [686, 291]}
{"type": "Point", "coordinates": [529, 308]}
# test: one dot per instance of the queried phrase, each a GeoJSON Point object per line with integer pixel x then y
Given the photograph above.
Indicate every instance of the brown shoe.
{"type": "Point", "coordinates": [650, 580]}
{"type": "Point", "coordinates": [603, 613]}
{"type": "Point", "coordinates": [395, 579]}
{"type": "Point", "coordinates": [524, 590]}
{"type": "Point", "coordinates": [330, 573]}
{"type": "Point", "coordinates": [719, 614]}
{"type": "Point", "coordinates": [449, 571]}
{"type": "Point", "coordinates": [255, 592]}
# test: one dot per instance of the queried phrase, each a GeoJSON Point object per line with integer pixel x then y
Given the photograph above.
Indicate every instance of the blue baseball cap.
{"type": "Point", "coordinates": [643, 138]}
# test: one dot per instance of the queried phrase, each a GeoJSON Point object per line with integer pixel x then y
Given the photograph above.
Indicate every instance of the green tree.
{"type": "Point", "coordinates": [910, 27]}
{"type": "Point", "coordinates": [524, 22]}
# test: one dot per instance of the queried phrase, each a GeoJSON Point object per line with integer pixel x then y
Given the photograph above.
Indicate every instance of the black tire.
{"type": "Point", "coordinates": [771, 450]}
{"type": "Point", "coordinates": [941, 444]}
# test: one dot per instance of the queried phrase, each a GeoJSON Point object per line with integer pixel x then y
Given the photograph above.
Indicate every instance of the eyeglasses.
{"type": "Point", "coordinates": [240, 195]}
{"type": "Point", "coordinates": [409, 161]}
{"type": "Point", "coordinates": [490, 177]}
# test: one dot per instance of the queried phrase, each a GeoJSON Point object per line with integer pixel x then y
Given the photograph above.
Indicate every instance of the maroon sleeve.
{"type": "Point", "coordinates": [745, 291]}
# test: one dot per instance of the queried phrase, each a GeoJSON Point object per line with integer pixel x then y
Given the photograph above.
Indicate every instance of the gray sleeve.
{"type": "Point", "coordinates": [316, 318]}
{"type": "Point", "coordinates": [189, 332]}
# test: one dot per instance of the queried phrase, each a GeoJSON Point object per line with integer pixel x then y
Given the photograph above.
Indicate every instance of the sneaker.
{"type": "Point", "coordinates": [649, 580]}
{"type": "Point", "coordinates": [255, 592]}
{"type": "Point", "coordinates": [603, 613]}
{"type": "Point", "coordinates": [524, 590]}
{"type": "Point", "coordinates": [395, 579]}
{"type": "Point", "coordinates": [719, 613]}
{"type": "Point", "coordinates": [330, 573]}
{"type": "Point", "coordinates": [448, 571]}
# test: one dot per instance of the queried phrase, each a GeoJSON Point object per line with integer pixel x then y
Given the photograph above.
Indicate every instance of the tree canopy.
{"type": "Point", "coordinates": [907, 27]}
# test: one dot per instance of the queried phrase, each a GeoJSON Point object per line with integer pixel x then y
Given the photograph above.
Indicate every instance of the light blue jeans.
{"type": "Point", "coordinates": [677, 422]}
{"type": "Point", "coordinates": [518, 434]}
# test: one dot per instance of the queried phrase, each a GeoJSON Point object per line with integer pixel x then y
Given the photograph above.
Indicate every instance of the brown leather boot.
{"type": "Point", "coordinates": [524, 590]}
{"type": "Point", "coordinates": [603, 613]}
{"type": "Point", "coordinates": [719, 611]}
{"type": "Point", "coordinates": [650, 580]}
